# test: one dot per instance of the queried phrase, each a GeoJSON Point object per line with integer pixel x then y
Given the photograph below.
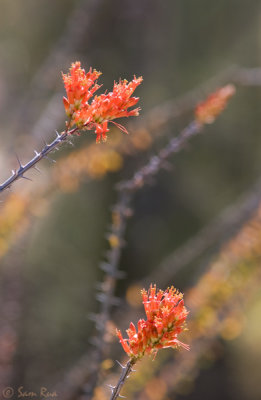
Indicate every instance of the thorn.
{"type": "Point", "coordinates": [103, 266]}
{"type": "Point", "coordinates": [19, 162]}
{"type": "Point", "coordinates": [122, 366]}
{"type": "Point", "coordinates": [106, 267]}
{"type": "Point", "coordinates": [121, 397]}
{"type": "Point", "coordinates": [58, 135]}
{"type": "Point", "coordinates": [25, 177]}
{"type": "Point", "coordinates": [37, 169]}
{"type": "Point", "coordinates": [44, 142]}
{"type": "Point", "coordinates": [36, 153]}
{"type": "Point", "coordinates": [96, 318]}
{"type": "Point", "coordinates": [71, 143]}
{"type": "Point", "coordinates": [13, 172]}
{"type": "Point", "coordinates": [49, 159]}
{"type": "Point", "coordinates": [110, 270]}
{"type": "Point", "coordinates": [99, 327]}
{"type": "Point", "coordinates": [110, 386]}
{"type": "Point", "coordinates": [102, 297]}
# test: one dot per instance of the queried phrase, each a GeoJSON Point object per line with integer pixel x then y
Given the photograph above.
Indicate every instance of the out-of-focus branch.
{"type": "Point", "coordinates": [153, 123]}
{"type": "Point", "coordinates": [77, 27]}
{"type": "Point", "coordinates": [225, 325]}
{"type": "Point", "coordinates": [226, 277]}
{"type": "Point", "coordinates": [209, 111]}
{"type": "Point", "coordinates": [156, 163]}
{"type": "Point", "coordinates": [216, 298]}
{"type": "Point", "coordinates": [107, 287]}
{"type": "Point", "coordinates": [126, 191]}
{"type": "Point", "coordinates": [159, 117]}
{"type": "Point", "coordinates": [145, 174]}
{"type": "Point", "coordinates": [244, 76]}
{"type": "Point", "coordinates": [216, 233]}
{"type": "Point", "coordinates": [228, 222]}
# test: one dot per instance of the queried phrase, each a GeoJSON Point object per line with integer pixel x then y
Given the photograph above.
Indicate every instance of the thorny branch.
{"type": "Point", "coordinates": [228, 222]}
{"type": "Point", "coordinates": [84, 370]}
{"type": "Point", "coordinates": [235, 271]}
{"type": "Point", "coordinates": [106, 296]}
{"type": "Point", "coordinates": [158, 162]}
{"type": "Point", "coordinates": [159, 116]}
{"type": "Point", "coordinates": [245, 79]}
{"type": "Point", "coordinates": [121, 212]}
{"type": "Point", "coordinates": [237, 75]}
{"type": "Point", "coordinates": [128, 189]}
{"type": "Point", "coordinates": [184, 366]}
{"type": "Point", "coordinates": [124, 375]}
{"type": "Point", "coordinates": [48, 148]}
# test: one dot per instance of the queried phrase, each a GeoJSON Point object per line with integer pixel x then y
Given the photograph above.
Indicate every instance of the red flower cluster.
{"type": "Point", "coordinates": [81, 86]}
{"type": "Point", "coordinates": [166, 315]}
{"type": "Point", "coordinates": [207, 111]}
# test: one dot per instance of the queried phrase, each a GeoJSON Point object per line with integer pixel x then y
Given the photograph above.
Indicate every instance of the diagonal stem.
{"type": "Point", "coordinates": [19, 173]}
{"type": "Point", "coordinates": [157, 162]}
{"type": "Point", "coordinates": [124, 375]}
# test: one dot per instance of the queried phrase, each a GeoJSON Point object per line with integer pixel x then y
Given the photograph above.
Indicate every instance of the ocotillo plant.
{"type": "Point", "coordinates": [165, 310]}
{"type": "Point", "coordinates": [84, 114]}
{"type": "Point", "coordinates": [166, 315]}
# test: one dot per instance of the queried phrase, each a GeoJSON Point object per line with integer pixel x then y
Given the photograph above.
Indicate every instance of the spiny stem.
{"type": "Point", "coordinates": [106, 296]}
{"type": "Point", "coordinates": [157, 162]}
{"type": "Point", "coordinates": [124, 375]}
{"type": "Point", "coordinates": [19, 173]}
{"type": "Point", "coordinates": [126, 192]}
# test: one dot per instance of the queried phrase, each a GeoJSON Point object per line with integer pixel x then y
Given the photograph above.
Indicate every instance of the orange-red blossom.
{"type": "Point", "coordinates": [166, 315]}
{"type": "Point", "coordinates": [207, 111]}
{"type": "Point", "coordinates": [81, 86]}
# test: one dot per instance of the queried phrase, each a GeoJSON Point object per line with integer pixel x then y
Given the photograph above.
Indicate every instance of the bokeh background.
{"type": "Point", "coordinates": [53, 229]}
